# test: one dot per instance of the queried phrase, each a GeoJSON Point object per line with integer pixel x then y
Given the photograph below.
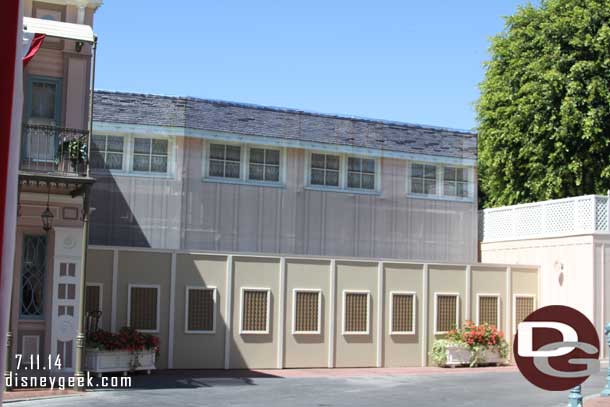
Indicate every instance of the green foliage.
{"type": "Point", "coordinates": [438, 353]}
{"type": "Point", "coordinates": [544, 110]}
{"type": "Point", "coordinates": [476, 338]}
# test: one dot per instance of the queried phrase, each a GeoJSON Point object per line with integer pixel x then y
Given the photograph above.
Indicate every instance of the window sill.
{"type": "Point", "coordinates": [342, 190]}
{"type": "Point", "coordinates": [117, 173]}
{"type": "Point", "coordinates": [440, 198]}
{"type": "Point", "coordinates": [410, 333]}
{"type": "Point", "coordinates": [200, 332]}
{"type": "Point", "coordinates": [356, 333]}
{"type": "Point", "coordinates": [243, 182]}
{"type": "Point", "coordinates": [254, 333]}
{"type": "Point", "coordinates": [299, 333]}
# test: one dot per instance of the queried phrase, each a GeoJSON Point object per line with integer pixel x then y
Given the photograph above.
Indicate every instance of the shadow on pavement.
{"type": "Point", "coordinates": [188, 379]}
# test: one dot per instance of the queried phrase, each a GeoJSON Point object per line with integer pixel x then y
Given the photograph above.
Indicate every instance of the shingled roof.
{"type": "Point", "coordinates": [291, 124]}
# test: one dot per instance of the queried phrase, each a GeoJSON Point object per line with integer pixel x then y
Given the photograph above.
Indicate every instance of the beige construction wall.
{"type": "Point", "coordinates": [227, 347]}
{"type": "Point", "coordinates": [574, 269]}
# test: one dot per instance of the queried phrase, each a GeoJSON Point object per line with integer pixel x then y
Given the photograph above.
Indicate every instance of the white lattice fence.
{"type": "Point", "coordinates": [555, 217]}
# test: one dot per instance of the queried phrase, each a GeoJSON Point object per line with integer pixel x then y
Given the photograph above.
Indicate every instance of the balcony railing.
{"type": "Point", "coordinates": [54, 150]}
{"type": "Point", "coordinates": [557, 217]}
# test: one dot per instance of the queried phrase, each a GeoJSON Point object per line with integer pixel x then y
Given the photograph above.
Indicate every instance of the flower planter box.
{"type": "Point", "coordinates": [459, 356]}
{"type": "Point", "coordinates": [101, 361]}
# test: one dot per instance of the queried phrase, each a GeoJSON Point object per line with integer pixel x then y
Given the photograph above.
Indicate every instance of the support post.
{"type": "Point", "coordinates": [575, 397]}
{"type": "Point", "coordinates": [606, 391]}
{"type": "Point", "coordinates": [79, 370]}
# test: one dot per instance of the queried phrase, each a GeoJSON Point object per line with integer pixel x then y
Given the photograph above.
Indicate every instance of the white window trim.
{"type": "Point", "coordinates": [158, 287]}
{"type": "Point", "coordinates": [241, 311]}
{"type": "Point", "coordinates": [188, 288]}
{"type": "Point", "coordinates": [318, 331]}
{"type": "Point", "coordinates": [342, 174]}
{"type": "Point", "coordinates": [368, 312]}
{"type": "Point", "coordinates": [391, 312]}
{"type": "Point", "coordinates": [457, 310]}
{"type": "Point", "coordinates": [123, 160]}
{"type": "Point", "coordinates": [440, 185]}
{"type": "Point", "coordinates": [478, 310]}
{"type": "Point", "coordinates": [170, 155]}
{"type": "Point", "coordinates": [128, 148]}
{"type": "Point", "coordinates": [515, 296]}
{"type": "Point", "coordinates": [244, 164]}
{"type": "Point", "coordinates": [101, 301]}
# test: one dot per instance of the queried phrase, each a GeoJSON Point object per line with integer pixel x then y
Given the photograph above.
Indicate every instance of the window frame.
{"type": "Point", "coordinates": [457, 310]}
{"type": "Point", "coordinates": [48, 264]}
{"type": "Point", "coordinates": [158, 313]}
{"type": "Point", "coordinates": [150, 155]}
{"type": "Point", "coordinates": [295, 291]}
{"type": "Point", "coordinates": [469, 183]}
{"type": "Point", "coordinates": [188, 288]}
{"type": "Point", "coordinates": [437, 168]}
{"type": "Point", "coordinates": [519, 295]}
{"type": "Point", "coordinates": [128, 151]}
{"type": "Point", "coordinates": [440, 182]}
{"type": "Point", "coordinates": [244, 161]}
{"type": "Point", "coordinates": [247, 165]}
{"type": "Point", "coordinates": [498, 306]}
{"type": "Point", "coordinates": [123, 153]}
{"type": "Point", "coordinates": [101, 299]}
{"type": "Point", "coordinates": [343, 173]}
{"type": "Point", "coordinates": [391, 313]}
{"type": "Point", "coordinates": [58, 83]}
{"type": "Point", "coordinates": [368, 313]}
{"type": "Point", "coordinates": [242, 331]}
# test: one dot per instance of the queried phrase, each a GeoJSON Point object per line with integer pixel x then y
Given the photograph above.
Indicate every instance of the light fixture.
{"type": "Point", "coordinates": [78, 46]}
{"type": "Point", "coordinates": [47, 215]}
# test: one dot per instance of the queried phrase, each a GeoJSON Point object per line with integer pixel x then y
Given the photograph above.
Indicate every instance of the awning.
{"type": "Point", "coordinates": [68, 31]}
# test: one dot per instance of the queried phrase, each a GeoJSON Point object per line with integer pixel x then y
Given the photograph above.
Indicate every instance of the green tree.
{"type": "Point", "coordinates": [544, 109]}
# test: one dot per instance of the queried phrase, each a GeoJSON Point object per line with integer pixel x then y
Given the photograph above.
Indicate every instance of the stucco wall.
{"type": "Point", "coordinates": [403, 350]}
{"type": "Point", "coordinates": [199, 349]}
{"type": "Point", "coordinates": [307, 350]}
{"type": "Point", "coordinates": [99, 271]}
{"type": "Point", "coordinates": [281, 347]}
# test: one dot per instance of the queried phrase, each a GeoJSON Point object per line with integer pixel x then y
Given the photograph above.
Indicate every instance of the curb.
{"type": "Point", "coordinates": [48, 397]}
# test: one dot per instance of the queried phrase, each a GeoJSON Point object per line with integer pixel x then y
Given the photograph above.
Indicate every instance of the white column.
{"type": "Point", "coordinates": [423, 334]}
{"type": "Point", "coordinates": [228, 311]}
{"type": "Point", "coordinates": [380, 307]}
{"type": "Point", "coordinates": [281, 314]}
{"type": "Point", "coordinates": [172, 311]}
{"type": "Point", "coordinates": [115, 288]}
{"type": "Point", "coordinates": [508, 306]}
{"type": "Point", "coordinates": [467, 300]}
{"type": "Point", "coordinates": [331, 314]}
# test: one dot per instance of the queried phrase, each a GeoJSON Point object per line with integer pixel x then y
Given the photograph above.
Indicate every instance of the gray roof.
{"type": "Point", "coordinates": [248, 119]}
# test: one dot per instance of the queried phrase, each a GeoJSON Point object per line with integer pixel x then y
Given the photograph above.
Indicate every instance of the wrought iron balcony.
{"type": "Point", "coordinates": [54, 150]}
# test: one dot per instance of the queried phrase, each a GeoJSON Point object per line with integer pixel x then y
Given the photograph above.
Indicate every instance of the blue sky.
{"type": "Point", "coordinates": [411, 61]}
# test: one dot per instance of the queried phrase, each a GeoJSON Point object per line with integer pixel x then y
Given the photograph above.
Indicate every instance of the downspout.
{"type": "Point", "coordinates": [80, 337]}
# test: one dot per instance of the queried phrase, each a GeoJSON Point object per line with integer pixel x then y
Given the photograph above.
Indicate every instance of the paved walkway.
{"type": "Point", "coordinates": [426, 387]}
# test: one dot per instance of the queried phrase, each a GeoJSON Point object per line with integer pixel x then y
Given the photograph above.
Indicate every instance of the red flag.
{"type": "Point", "coordinates": [32, 47]}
